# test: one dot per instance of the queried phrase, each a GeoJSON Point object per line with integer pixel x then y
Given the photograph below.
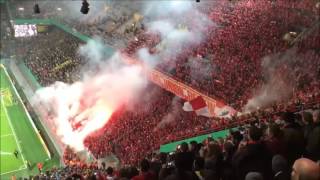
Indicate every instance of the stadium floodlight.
{"type": "Point", "coordinates": [59, 9]}
{"type": "Point", "coordinates": [36, 9]}
{"type": "Point", "coordinates": [85, 7]}
{"type": "Point", "coordinates": [21, 9]}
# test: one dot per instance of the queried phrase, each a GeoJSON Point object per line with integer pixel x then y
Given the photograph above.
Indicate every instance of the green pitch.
{"type": "Point", "coordinates": [17, 133]}
{"type": "Point", "coordinates": [9, 144]}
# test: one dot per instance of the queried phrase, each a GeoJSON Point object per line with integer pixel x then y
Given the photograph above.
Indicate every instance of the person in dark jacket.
{"type": "Point", "coordinates": [274, 140]}
{"type": "Point", "coordinates": [188, 156]}
{"type": "Point", "coordinates": [201, 172]}
{"type": "Point", "coordinates": [214, 159]}
{"type": "Point", "coordinates": [280, 168]}
{"type": "Point", "coordinates": [293, 137]}
{"type": "Point", "coordinates": [180, 172]}
{"type": "Point", "coordinates": [145, 174]}
{"type": "Point", "coordinates": [253, 156]}
{"type": "Point", "coordinates": [307, 120]}
{"type": "Point", "coordinates": [313, 140]}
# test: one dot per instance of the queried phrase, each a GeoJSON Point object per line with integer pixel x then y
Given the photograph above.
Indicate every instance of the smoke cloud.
{"type": "Point", "coordinates": [200, 69]}
{"type": "Point", "coordinates": [162, 8]}
{"type": "Point", "coordinates": [79, 109]}
{"type": "Point", "coordinates": [280, 79]}
{"type": "Point", "coordinates": [176, 34]}
{"type": "Point", "coordinates": [175, 109]}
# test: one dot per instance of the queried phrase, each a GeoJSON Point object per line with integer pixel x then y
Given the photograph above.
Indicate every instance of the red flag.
{"type": "Point", "coordinates": [198, 105]}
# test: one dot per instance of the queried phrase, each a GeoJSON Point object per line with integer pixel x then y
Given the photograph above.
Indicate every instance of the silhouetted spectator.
{"type": "Point", "coordinates": [313, 141]}
{"type": "Point", "coordinates": [254, 156]}
{"type": "Point", "coordinates": [145, 174]}
{"type": "Point", "coordinates": [293, 137]}
{"type": "Point", "coordinates": [280, 168]}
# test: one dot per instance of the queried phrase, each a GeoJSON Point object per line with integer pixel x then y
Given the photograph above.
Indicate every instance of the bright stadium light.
{"type": "Point", "coordinates": [59, 9]}
{"type": "Point", "coordinates": [21, 9]}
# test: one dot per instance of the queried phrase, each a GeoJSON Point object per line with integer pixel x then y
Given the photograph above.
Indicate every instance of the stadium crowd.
{"type": "Point", "coordinates": [257, 150]}
{"type": "Point", "coordinates": [128, 131]}
{"type": "Point", "coordinates": [5, 33]}
{"type": "Point", "coordinates": [236, 68]}
{"type": "Point", "coordinates": [116, 21]}
{"type": "Point", "coordinates": [51, 56]}
{"type": "Point", "coordinates": [234, 51]}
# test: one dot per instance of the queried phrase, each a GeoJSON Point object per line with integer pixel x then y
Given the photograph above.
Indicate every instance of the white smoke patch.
{"type": "Point", "coordinates": [168, 20]}
{"type": "Point", "coordinates": [276, 90]}
{"type": "Point", "coordinates": [173, 37]}
{"type": "Point", "coordinates": [79, 109]}
{"type": "Point", "coordinates": [200, 69]}
{"type": "Point", "coordinates": [173, 41]}
{"type": "Point", "coordinates": [175, 109]}
{"type": "Point", "coordinates": [93, 50]}
{"type": "Point", "coordinates": [162, 8]}
{"type": "Point", "coordinates": [163, 27]}
{"type": "Point", "coordinates": [147, 58]}
{"type": "Point", "coordinates": [279, 80]}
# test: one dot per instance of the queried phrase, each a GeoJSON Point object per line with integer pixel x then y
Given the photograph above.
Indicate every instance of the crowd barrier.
{"type": "Point", "coordinates": [215, 135]}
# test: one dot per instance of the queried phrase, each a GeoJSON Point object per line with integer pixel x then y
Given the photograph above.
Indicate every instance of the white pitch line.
{"type": "Point", "coordinates": [13, 171]}
{"type": "Point", "coordinates": [12, 129]}
{"type": "Point", "coordinates": [5, 135]}
{"type": "Point", "coordinates": [27, 113]}
{"type": "Point", "coordinates": [5, 153]}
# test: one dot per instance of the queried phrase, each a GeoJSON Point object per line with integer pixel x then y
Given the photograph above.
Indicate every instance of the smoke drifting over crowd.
{"type": "Point", "coordinates": [171, 116]}
{"type": "Point", "coordinates": [78, 109]}
{"type": "Point", "coordinates": [281, 77]}
{"type": "Point", "coordinates": [174, 37]}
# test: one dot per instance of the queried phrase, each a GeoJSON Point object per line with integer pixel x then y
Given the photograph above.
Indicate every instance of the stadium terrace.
{"type": "Point", "coordinates": [160, 90]}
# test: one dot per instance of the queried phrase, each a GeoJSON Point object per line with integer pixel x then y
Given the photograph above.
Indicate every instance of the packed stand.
{"type": "Point", "coordinates": [51, 56]}
{"type": "Point", "coordinates": [287, 147]}
{"type": "Point", "coordinates": [231, 55]}
{"type": "Point", "coordinates": [155, 120]}
{"type": "Point", "coordinates": [234, 49]}
{"type": "Point", "coordinates": [161, 120]}
{"type": "Point", "coordinates": [115, 22]}
{"type": "Point", "coordinates": [5, 33]}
